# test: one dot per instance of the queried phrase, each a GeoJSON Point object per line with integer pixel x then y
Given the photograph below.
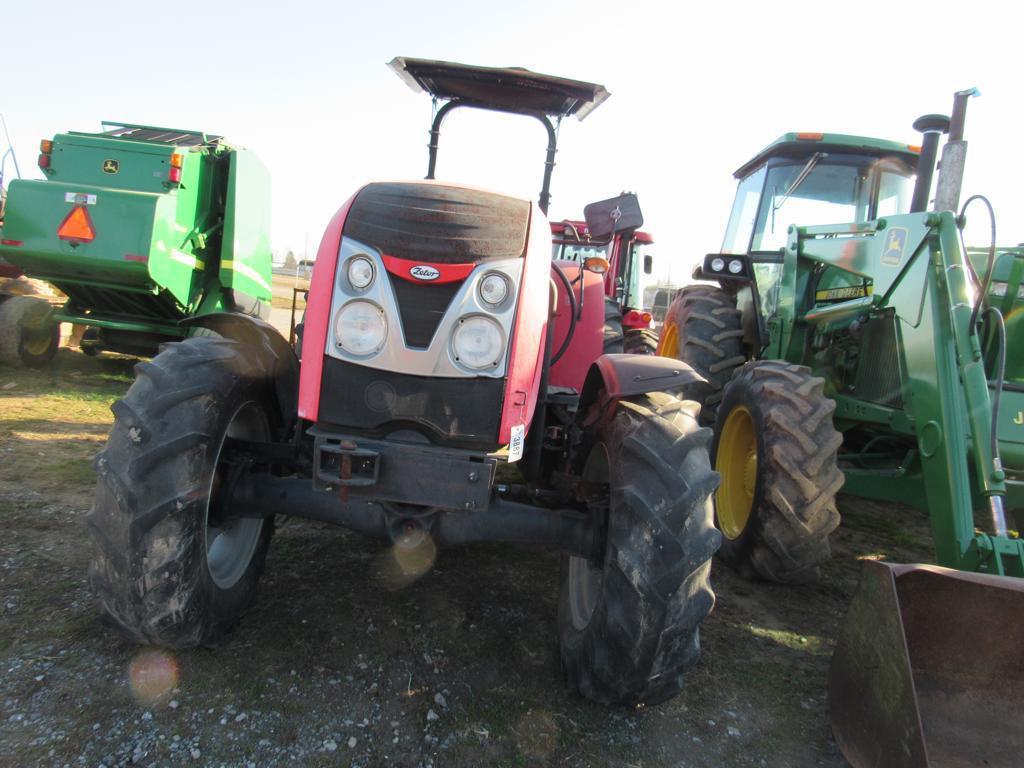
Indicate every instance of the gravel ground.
{"type": "Point", "coordinates": [344, 660]}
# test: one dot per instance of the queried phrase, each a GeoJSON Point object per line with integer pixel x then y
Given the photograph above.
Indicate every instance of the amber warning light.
{"type": "Point", "coordinates": [77, 226]}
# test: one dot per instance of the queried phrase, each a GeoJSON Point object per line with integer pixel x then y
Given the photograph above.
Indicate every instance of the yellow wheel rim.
{"type": "Point", "coordinates": [736, 462]}
{"type": "Point", "coordinates": [668, 344]}
{"type": "Point", "coordinates": [36, 342]}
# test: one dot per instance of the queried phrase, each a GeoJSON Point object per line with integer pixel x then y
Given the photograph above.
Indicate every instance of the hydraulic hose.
{"type": "Point", "coordinates": [572, 312]}
{"type": "Point", "coordinates": [996, 502]}
{"type": "Point", "coordinates": [973, 325]}
{"type": "Point", "coordinates": [1000, 372]}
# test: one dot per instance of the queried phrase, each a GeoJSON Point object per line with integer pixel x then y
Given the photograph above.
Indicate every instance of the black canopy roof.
{"type": "Point", "coordinates": [508, 89]}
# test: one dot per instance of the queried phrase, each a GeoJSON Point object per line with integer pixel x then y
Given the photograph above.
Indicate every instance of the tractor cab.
{"type": "Point", "coordinates": [628, 254]}
{"type": "Point", "coordinates": [807, 179]}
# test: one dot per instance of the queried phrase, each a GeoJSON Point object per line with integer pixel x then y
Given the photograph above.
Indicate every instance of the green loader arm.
{"type": "Point", "coordinates": [914, 268]}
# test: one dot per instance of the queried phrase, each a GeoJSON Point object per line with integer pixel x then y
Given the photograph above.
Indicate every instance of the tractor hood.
{"type": "Point", "coordinates": [510, 89]}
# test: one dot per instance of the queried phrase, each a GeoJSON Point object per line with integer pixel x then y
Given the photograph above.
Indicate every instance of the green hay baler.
{"type": "Point", "coordinates": [141, 228]}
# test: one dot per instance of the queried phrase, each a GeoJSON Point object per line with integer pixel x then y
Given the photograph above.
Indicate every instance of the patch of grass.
{"type": "Point", "coordinates": [789, 639]}
{"type": "Point", "coordinates": [892, 531]}
{"type": "Point", "coordinates": [74, 471]}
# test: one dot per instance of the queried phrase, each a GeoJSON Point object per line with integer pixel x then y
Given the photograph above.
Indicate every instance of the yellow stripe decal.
{"type": "Point", "coordinates": [244, 269]}
{"type": "Point", "coordinates": [187, 260]}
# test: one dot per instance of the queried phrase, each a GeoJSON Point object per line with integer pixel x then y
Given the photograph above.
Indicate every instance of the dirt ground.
{"type": "Point", "coordinates": [340, 664]}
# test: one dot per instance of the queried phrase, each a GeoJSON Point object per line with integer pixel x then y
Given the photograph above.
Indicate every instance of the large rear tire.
{"type": "Point", "coordinates": [171, 566]}
{"type": "Point", "coordinates": [613, 337]}
{"type": "Point", "coordinates": [640, 341]}
{"type": "Point", "coordinates": [629, 624]}
{"type": "Point", "coordinates": [703, 329]}
{"type": "Point", "coordinates": [775, 450]}
{"type": "Point", "coordinates": [28, 334]}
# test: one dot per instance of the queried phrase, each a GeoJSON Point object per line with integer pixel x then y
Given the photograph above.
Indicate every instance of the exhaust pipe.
{"type": "Point", "coordinates": [954, 156]}
{"type": "Point", "coordinates": [932, 126]}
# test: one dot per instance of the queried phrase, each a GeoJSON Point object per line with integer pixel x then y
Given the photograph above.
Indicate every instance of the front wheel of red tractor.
{"type": "Point", "coordinates": [172, 566]}
{"type": "Point", "coordinates": [629, 624]}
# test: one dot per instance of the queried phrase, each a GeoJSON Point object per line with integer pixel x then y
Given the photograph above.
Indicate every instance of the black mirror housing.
{"type": "Point", "coordinates": [617, 214]}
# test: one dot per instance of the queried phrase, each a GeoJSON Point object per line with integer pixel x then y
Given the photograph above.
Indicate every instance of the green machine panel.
{"type": "Point", "coordinates": [245, 254]}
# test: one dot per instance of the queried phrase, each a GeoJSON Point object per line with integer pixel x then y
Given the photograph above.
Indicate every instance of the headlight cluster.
{"type": "Point", "coordinates": [478, 342]}
{"type": "Point", "coordinates": [360, 328]}
{"type": "Point", "coordinates": [360, 272]}
{"type": "Point", "coordinates": [718, 264]}
{"type": "Point", "coordinates": [494, 289]}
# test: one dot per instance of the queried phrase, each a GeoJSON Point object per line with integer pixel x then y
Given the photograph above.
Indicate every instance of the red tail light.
{"type": "Point", "coordinates": [174, 175]}
{"type": "Point", "coordinates": [634, 318]}
{"type": "Point", "coordinates": [44, 161]}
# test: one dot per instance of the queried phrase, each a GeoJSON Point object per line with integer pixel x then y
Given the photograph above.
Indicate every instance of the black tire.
{"type": "Point", "coordinates": [28, 334]}
{"type": "Point", "coordinates": [158, 579]}
{"type": "Point", "coordinates": [640, 341]}
{"type": "Point", "coordinates": [793, 509]}
{"type": "Point", "coordinates": [649, 481]}
{"type": "Point", "coordinates": [703, 329]}
{"type": "Point", "coordinates": [613, 337]}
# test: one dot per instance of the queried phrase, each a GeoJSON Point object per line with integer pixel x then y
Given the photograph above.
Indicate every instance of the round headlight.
{"type": "Point", "coordinates": [735, 266]}
{"type": "Point", "coordinates": [360, 328]}
{"type": "Point", "coordinates": [718, 264]}
{"type": "Point", "coordinates": [360, 272]}
{"type": "Point", "coordinates": [477, 342]}
{"type": "Point", "coordinates": [493, 289]}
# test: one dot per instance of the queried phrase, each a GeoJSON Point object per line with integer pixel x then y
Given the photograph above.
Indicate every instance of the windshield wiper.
{"type": "Point", "coordinates": [800, 179]}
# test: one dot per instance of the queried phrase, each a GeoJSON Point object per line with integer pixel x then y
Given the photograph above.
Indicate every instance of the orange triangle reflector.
{"type": "Point", "coordinates": [77, 226]}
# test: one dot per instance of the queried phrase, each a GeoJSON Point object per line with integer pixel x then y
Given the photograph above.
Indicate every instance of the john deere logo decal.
{"type": "Point", "coordinates": [111, 166]}
{"type": "Point", "coordinates": [423, 272]}
{"type": "Point", "coordinates": [1019, 418]}
{"type": "Point", "coordinates": [895, 242]}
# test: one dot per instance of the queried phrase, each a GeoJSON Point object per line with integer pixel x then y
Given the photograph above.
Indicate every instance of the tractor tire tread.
{"type": "Point", "coordinates": [798, 476]}
{"type": "Point", "coordinates": [640, 341]}
{"type": "Point", "coordinates": [709, 335]}
{"type": "Point", "coordinates": [644, 633]}
{"type": "Point", "coordinates": [145, 524]}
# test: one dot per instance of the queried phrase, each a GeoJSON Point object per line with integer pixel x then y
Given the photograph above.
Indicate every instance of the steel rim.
{"type": "Point", "coordinates": [736, 462]}
{"type": "Point", "coordinates": [585, 578]}
{"type": "Point", "coordinates": [584, 589]}
{"type": "Point", "coordinates": [668, 346]}
{"type": "Point", "coordinates": [36, 344]}
{"type": "Point", "coordinates": [36, 341]}
{"type": "Point", "coordinates": [230, 545]}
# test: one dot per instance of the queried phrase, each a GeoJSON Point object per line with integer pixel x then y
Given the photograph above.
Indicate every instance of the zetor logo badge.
{"type": "Point", "coordinates": [111, 166]}
{"type": "Point", "coordinates": [423, 272]}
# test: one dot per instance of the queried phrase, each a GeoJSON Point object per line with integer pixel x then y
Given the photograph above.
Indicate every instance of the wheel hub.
{"type": "Point", "coordinates": [736, 462]}
{"type": "Point", "coordinates": [232, 541]}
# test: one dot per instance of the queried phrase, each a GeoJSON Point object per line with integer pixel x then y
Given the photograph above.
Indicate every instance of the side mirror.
{"type": "Point", "coordinates": [648, 264]}
{"type": "Point", "coordinates": [617, 214]}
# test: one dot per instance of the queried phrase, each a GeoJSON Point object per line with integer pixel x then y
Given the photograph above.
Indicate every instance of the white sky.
{"type": "Point", "coordinates": [696, 90]}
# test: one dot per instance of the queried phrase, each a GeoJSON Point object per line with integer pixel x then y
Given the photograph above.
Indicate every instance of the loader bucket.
{"type": "Point", "coordinates": [927, 670]}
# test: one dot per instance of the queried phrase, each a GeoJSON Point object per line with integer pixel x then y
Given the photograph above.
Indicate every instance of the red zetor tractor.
{"type": "Point", "coordinates": [440, 343]}
{"type": "Point", "coordinates": [627, 324]}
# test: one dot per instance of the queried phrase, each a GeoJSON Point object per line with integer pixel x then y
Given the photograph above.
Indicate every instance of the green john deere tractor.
{"type": "Point", "coordinates": [880, 357]}
{"type": "Point", "coordinates": [143, 229]}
